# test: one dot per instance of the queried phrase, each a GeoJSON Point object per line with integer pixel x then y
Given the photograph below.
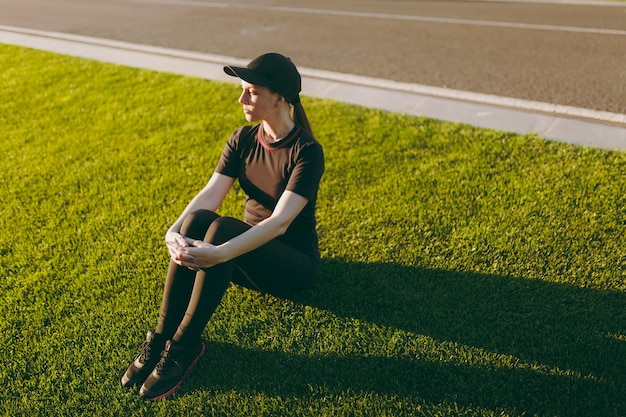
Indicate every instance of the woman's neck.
{"type": "Point", "coordinates": [276, 130]}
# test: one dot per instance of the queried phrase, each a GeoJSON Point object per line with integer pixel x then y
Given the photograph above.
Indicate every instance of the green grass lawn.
{"type": "Point", "coordinates": [466, 272]}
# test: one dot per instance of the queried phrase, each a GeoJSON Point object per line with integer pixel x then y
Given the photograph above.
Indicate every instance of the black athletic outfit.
{"type": "Point", "coordinates": [287, 264]}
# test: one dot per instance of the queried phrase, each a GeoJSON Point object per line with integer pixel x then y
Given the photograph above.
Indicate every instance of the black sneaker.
{"type": "Point", "coordinates": [176, 361]}
{"type": "Point", "coordinates": [145, 361]}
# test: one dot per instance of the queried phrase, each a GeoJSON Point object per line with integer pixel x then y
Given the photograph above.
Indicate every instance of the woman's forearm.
{"type": "Point", "coordinates": [288, 207]}
{"type": "Point", "coordinates": [251, 239]}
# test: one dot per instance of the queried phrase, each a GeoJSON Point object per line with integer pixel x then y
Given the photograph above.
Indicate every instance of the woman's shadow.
{"type": "Point", "coordinates": [567, 343]}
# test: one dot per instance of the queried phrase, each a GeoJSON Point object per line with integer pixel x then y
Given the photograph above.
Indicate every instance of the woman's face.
{"type": "Point", "coordinates": [259, 103]}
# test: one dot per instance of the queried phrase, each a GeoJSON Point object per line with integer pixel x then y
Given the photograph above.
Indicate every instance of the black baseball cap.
{"type": "Point", "coordinates": [271, 70]}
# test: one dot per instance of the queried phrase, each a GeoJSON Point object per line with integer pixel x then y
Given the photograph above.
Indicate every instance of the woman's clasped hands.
{"type": "Point", "coordinates": [191, 253]}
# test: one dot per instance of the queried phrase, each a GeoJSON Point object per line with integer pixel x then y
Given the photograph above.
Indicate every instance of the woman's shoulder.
{"type": "Point", "coordinates": [307, 140]}
{"type": "Point", "coordinates": [307, 148]}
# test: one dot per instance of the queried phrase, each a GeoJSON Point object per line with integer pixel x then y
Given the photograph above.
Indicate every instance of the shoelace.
{"type": "Point", "coordinates": [164, 362]}
{"type": "Point", "coordinates": [145, 351]}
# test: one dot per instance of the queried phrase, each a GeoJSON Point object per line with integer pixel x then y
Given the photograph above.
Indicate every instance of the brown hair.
{"type": "Point", "coordinates": [299, 117]}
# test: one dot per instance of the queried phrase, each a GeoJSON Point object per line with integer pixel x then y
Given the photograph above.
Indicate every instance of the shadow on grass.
{"type": "Point", "coordinates": [557, 326]}
{"type": "Point", "coordinates": [553, 324]}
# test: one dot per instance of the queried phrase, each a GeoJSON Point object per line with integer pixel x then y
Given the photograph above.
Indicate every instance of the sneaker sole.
{"type": "Point", "coordinates": [171, 391]}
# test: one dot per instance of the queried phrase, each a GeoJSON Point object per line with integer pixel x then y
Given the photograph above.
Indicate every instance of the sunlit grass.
{"type": "Point", "coordinates": [465, 271]}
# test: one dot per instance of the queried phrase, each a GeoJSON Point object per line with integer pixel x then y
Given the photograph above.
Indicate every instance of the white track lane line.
{"type": "Point", "coordinates": [387, 16]}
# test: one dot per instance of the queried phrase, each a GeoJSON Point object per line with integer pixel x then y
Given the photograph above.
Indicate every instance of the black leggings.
{"type": "Point", "coordinates": [190, 297]}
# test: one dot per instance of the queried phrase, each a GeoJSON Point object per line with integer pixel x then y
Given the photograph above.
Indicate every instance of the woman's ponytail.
{"type": "Point", "coordinates": [299, 116]}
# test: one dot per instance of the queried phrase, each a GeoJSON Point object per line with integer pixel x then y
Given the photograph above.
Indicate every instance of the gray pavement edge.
{"type": "Point", "coordinates": [561, 123]}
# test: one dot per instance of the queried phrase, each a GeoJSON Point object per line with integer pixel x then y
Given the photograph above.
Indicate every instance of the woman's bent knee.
{"type": "Point", "coordinates": [196, 224]}
{"type": "Point", "coordinates": [224, 229]}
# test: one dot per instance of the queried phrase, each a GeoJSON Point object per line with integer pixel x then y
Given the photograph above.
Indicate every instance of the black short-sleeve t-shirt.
{"type": "Point", "coordinates": [265, 170]}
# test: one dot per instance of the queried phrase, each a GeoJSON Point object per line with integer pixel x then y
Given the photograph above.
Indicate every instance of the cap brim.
{"type": "Point", "coordinates": [246, 75]}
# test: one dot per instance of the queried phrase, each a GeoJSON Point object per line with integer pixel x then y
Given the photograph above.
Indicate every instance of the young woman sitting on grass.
{"type": "Point", "coordinates": [274, 249]}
